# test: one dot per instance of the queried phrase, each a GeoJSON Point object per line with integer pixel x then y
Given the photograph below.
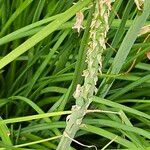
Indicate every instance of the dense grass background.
{"type": "Point", "coordinates": [41, 62]}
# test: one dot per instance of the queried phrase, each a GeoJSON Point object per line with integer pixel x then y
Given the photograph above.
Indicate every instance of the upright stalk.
{"type": "Point", "coordinates": [83, 94]}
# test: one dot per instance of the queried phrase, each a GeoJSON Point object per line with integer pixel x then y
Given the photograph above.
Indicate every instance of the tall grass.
{"type": "Point", "coordinates": [42, 59]}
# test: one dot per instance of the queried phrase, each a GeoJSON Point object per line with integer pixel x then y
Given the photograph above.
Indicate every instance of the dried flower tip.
{"type": "Point", "coordinates": [79, 21]}
{"type": "Point", "coordinates": [77, 93]}
{"type": "Point", "coordinates": [108, 3]}
{"type": "Point", "coordinates": [145, 30]}
{"type": "Point", "coordinates": [148, 55]}
{"type": "Point", "coordinates": [139, 3]}
{"type": "Point", "coordinates": [67, 118]}
{"type": "Point", "coordinates": [79, 121]}
{"type": "Point", "coordinates": [85, 73]}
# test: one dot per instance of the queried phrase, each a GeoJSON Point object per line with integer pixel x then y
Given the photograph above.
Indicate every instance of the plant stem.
{"type": "Point", "coordinates": [83, 94]}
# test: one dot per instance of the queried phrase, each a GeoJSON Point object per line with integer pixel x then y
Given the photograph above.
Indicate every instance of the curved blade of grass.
{"type": "Point", "coordinates": [133, 101]}
{"type": "Point", "coordinates": [38, 141]}
{"type": "Point", "coordinates": [42, 33]}
{"type": "Point", "coordinates": [2, 102]}
{"type": "Point", "coordinates": [32, 104]}
{"type": "Point", "coordinates": [33, 117]}
{"type": "Point", "coordinates": [126, 77]}
{"type": "Point", "coordinates": [109, 135]}
{"type": "Point", "coordinates": [48, 100]}
{"type": "Point", "coordinates": [129, 87]}
{"type": "Point", "coordinates": [56, 78]}
{"type": "Point", "coordinates": [43, 126]}
{"type": "Point", "coordinates": [143, 66]}
{"type": "Point", "coordinates": [34, 137]}
{"type": "Point", "coordinates": [54, 89]}
{"type": "Point", "coordinates": [137, 139]}
{"type": "Point", "coordinates": [124, 127]}
{"type": "Point", "coordinates": [4, 134]}
{"type": "Point", "coordinates": [136, 94]}
{"type": "Point", "coordinates": [30, 137]}
{"type": "Point", "coordinates": [119, 106]}
{"type": "Point", "coordinates": [29, 28]}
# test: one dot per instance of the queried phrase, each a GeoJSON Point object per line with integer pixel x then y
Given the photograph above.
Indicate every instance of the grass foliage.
{"type": "Point", "coordinates": [41, 62]}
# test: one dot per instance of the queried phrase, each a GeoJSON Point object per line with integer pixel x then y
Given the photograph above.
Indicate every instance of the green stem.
{"type": "Point", "coordinates": [83, 94]}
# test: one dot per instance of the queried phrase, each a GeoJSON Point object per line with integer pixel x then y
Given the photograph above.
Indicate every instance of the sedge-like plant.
{"type": "Point", "coordinates": [56, 60]}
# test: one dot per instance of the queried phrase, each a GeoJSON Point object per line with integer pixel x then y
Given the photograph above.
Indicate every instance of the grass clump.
{"type": "Point", "coordinates": [44, 53]}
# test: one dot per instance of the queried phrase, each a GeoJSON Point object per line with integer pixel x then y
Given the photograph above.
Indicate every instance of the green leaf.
{"type": "Point", "coordinates": [109, 135]}
{"type": "Point", "coordinates": [33, 117]}
{"type": "Point", "coordinates": [120, 107]}
{"type": "Point", "coordinates": [5, 133]}
{"type": "Point", "coordinates": [42, 33]}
